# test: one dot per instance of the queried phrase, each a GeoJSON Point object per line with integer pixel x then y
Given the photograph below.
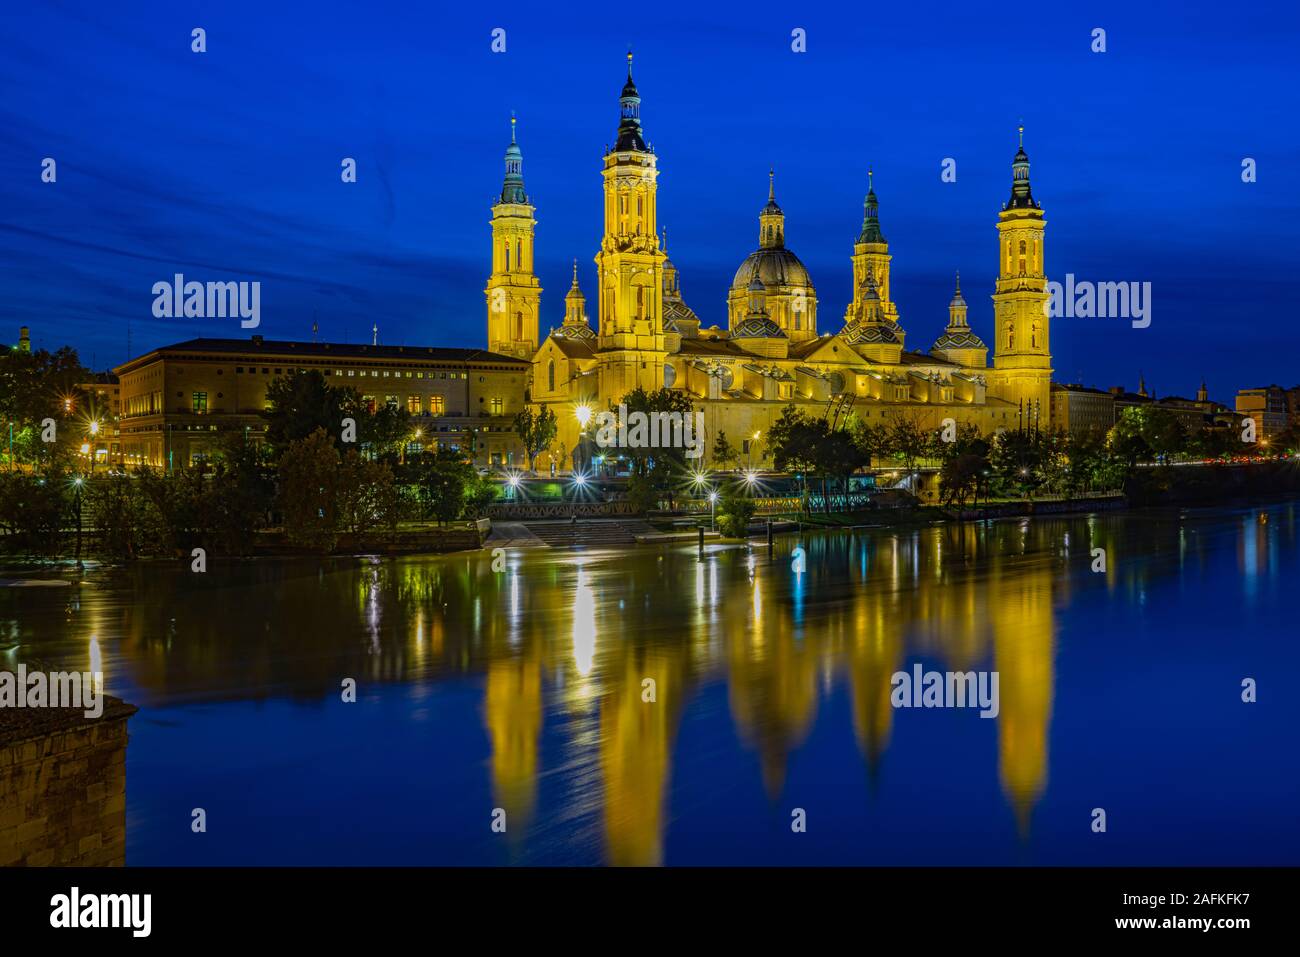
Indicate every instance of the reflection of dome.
{"type": "Point", "coordinates": [757, 327]}
{"type": "Point", "coordinates": [775, 267]}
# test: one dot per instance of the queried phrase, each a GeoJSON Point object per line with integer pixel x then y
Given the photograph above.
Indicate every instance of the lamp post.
{"type": "Point", "coordinates": [77, 483]}
{"type": "Point", "coordinates": [713, 499]}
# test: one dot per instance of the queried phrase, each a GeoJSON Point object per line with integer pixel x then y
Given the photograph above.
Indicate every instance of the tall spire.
{"type": "Point", "coordinates": [629, 127]}
{"type": "Point", "coordinates": [1021, 197]}
{"type": "Point", "coordinates": [771, 221]}
{"type": "Point", "coordinates": [871, 215]}
{"type": "Point", "coordinates": [512, 190]}
{"type": "Point", "coordinates": [575, 303]}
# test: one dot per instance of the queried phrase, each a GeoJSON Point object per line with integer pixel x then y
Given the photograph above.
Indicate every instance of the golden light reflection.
{"type": "Point", "coordinates": [584, 625]}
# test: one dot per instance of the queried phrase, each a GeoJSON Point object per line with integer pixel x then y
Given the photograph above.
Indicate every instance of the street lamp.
{"type": "Point", "coordinates": [713, 500]}
{"type": "Point", "coordinates": [583, 414]}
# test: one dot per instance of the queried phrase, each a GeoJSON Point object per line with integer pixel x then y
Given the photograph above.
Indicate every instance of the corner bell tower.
{"type": "Point", "coordinates": [1022, 360]}
{"type": "Point", "coordinates": [871, 258]}
{"type": "Point", "coordinates": [513, 293]}
{"type": "Point", "coordinates": [629, 265]}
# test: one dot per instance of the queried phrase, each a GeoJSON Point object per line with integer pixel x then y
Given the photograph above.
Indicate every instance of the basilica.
{"type": "Point", "coordinates": [771, 353]}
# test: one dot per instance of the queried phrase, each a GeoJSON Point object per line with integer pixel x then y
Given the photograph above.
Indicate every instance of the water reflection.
{"type": "Point", "coordinates": [611, 649]}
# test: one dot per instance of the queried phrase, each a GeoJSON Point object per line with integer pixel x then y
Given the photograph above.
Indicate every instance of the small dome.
{"type": "Point", "coordinates": [758, 327]}
{"type": "Point", "coordinates": [574, 331]}
{"type": "Point", "coordinates": [774, 267]}
{"type": "Point", "coordinates": [873, 334]}
{"type": "Point", "coordinates": [958, 340]}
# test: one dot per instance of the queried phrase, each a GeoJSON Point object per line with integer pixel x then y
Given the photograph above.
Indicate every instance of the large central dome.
{"type": "Point", "coordinates": [775, 267]}
{"type": "Point", "coordinates": [775, 274]}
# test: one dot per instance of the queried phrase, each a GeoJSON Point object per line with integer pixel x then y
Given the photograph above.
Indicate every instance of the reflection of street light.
{"type": "Point", "coordinates": [713, 499]}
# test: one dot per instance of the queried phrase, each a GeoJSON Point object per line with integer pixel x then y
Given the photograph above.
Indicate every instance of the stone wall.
{"type": "Point", "coordinates": [63, 786]}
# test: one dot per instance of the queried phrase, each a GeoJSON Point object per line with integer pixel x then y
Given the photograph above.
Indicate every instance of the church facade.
{"type": "Point", "coordinates": [771, 353]}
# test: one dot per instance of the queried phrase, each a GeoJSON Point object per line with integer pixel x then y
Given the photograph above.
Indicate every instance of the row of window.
{"type": "Point", "coordinates": [349, 373]}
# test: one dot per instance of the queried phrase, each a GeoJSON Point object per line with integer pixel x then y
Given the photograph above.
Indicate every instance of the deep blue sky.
{"type": "Point", "coordinates": [225, 165]}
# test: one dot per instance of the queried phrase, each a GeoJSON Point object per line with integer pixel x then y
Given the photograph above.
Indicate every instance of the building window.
{"type": "Point", "coordinates": [496, 406]}
{"type": "Point", "coordinates": [437, 405]}
{"type": "Point", "coordinates": [369, 402]}
{"type": "Point", "coordinates": [413, 404]}
{"type": "Point", "coordinates": [200, 402]}
{"type": "Point", "coordinates": [391, 401]}
{"type": "Point", "coordinates": [550, 376]}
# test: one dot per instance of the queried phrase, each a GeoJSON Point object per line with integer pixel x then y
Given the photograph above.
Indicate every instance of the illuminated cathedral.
{"type": "Point", "coordinates": [771, 353]}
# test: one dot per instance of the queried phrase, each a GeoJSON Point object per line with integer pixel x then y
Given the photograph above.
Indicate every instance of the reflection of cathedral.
{"type": "Point", "coordinates": [937, 594]}
{"type": "Point", "coordinates": [771, 353]}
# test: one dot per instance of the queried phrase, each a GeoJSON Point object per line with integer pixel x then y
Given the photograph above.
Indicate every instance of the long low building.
{"type": "Point", "coordinates": [177, 402]}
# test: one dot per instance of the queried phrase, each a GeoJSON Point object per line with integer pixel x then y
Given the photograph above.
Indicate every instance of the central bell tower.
{"type": "Point", "coordinates": [1022, 359]}
{"type": "Point", "coordinates": [629, 265]}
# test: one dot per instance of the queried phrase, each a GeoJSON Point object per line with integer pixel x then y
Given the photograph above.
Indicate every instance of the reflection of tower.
{"type": "Point", "coordinates": [636, 742]}
{"type": "Point", "coordinates": [876, 653]}
{"type": "Point", "coordinates": [1023, 645]}
{"type": "Point", "coordinates": [1022, 361]}
{"type": "Point", "coordinates": [773, 693]}
{"type": "Point", "coordinates": [513, 292]}
{"type": "Point", "coordinates": [513, 709]}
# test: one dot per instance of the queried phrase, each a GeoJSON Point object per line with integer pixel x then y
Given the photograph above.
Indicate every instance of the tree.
{"type": "Point", "coordinates": [837, 455]}
{"type": "Point", "coordinates": [367, 495]}
{"type": "Point", "coordinates": [664, 464]}
{"type": "Point", "coordinates": [536, 432]}
{"type": "Point", "coordinates": [793, 439]}
{"type": "Point", "coordinates": [909, 442]}
{"type": "Point", "coordinates": [734, 512]}
{"type": "Point", "coordinates": [724, 453]}
{"type": "Point", "coordinates": [1015, 460]}
{"type": "Point", "coordinates": [303, 402]}
{"type": "Point", "coordinates": [444, 479]}
{"type": "Point", "coordinates": [35, 386]}
{"type": "Point", "coordinates": [32, 512]}
{"type": "Point", "coordinates": [959, 478]}
{"type": "Point", "coordinates": [309, 490]}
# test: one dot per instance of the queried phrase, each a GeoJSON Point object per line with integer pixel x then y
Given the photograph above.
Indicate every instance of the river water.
{"type": "Point", "coordinates": [655, 706]}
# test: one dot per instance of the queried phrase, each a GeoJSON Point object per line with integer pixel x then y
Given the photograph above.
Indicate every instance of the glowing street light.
{"type": "Point", "coordinates": [583, 414]}
{"type": "Point", "coordinates": [85, 450]}
{"type": "Point", "coordinates": [513, 480]}
{"type": "Point", "coordinates": [94, 427]}
{"type": "Point", "coordinates": [579, 480]}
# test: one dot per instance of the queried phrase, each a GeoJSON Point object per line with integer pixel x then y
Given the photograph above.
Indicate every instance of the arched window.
{"type": "Point", "coordinates": [519, 326]}
{"type": "Point", "coordinates": [519, 254]}
{"type": "Point", "coordinates": [550, 375]}
{"type": "Point", "coordinates": [507, 257]}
